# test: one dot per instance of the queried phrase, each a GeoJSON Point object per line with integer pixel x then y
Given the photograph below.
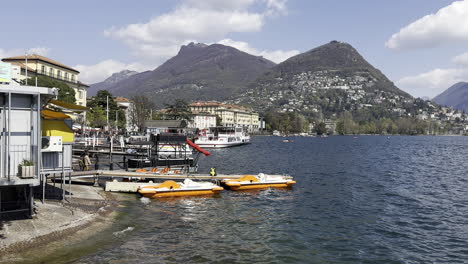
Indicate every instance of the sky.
{"type": "Point", "coordinates": [420, 45]}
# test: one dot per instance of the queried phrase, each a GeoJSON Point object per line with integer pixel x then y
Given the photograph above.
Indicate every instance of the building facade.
{"type": "Point", "coordinates": [202, 121]}
{"type": "Point", "coordinates": [230, 115]}
{"type": "Point", "coordinates": [127, 106]}
{"type": "Point", "coordinates": [36, 65]}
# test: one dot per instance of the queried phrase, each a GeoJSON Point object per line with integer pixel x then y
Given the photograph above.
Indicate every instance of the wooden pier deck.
{"type": "Point", "coordinates": [127, 174]}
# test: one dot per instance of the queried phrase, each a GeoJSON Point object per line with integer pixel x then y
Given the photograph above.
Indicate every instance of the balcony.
{"type": "Point", "coordinates": [58, 77]}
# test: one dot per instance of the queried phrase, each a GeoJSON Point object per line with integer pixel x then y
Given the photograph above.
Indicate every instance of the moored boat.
{"type": "Point", "coordinates": [222, 137]}
{"type": "Point", "coordinates": [260, 181]}
{"type": "Point", "coordinates": [172, 188]}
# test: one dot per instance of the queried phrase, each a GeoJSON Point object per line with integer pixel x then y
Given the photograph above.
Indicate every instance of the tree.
{"type": "Point", "coordinates": [179, 110]}
{"type": "Point", "coordinates": [96, 117]}
{"type": "Point", "coordinates": [99, 104]}
{"type": "Point", "coordinates": [65, 93]}
{"type": "Point", "coordinates": [320, 128]}
{"type": "Point", "coordinates": [141, 111]}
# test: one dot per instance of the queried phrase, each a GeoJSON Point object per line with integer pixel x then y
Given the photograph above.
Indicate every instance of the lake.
{"type": "Point", "coordinates": [363, 199]}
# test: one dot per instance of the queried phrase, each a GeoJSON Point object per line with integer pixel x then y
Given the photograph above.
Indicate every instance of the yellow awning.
{"type": "Point", "coordinates": [49, 114]}
{"type": "Point", "coordinates": [68, 106]}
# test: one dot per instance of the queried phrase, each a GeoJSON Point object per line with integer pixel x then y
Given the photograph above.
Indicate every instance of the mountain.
{"type": "Point", "coordinates": [109, 82]}
{"type": "Point", "coordinates": [456, 96]}
{"type": "Point", "coordinates": [329, 79]}
{"type": "Point", "coordinates": [197, 72]}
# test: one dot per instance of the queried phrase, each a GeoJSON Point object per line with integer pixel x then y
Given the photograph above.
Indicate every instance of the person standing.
{"type": "Point", "coordinates": [86, 161]}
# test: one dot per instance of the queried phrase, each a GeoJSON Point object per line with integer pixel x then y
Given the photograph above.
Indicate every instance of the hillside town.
{"type": "Point", "coordinates": [323, 94]}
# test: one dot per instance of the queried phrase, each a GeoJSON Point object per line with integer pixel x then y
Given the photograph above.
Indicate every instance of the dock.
{"type": "Point", "coordinates": [149, 175]}
{"type": "Point", "coordinates": [141, 178]}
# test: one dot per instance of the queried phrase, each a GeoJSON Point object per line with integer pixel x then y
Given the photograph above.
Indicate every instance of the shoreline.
{"type": "Point", "coordinates": [57, 225]}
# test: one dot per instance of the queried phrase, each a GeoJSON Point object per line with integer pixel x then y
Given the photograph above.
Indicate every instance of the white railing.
{"type": "Point", "coordinates": [18, 154]}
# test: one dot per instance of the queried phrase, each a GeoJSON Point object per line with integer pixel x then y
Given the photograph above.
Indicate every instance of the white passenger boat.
{"type": "Point", "coordinates": [222, 137]}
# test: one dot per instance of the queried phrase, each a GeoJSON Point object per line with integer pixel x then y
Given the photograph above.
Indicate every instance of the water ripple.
{"type": "Point", "coordinates": [366, 200]}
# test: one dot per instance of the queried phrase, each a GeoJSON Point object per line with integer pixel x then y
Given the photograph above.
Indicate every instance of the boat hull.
{"type": "Point", "coordinates": [236, 186]}
{"type": "Point", "coordinates": [152, 193]}
{"type": "Point", "coordinates": [219, 145]}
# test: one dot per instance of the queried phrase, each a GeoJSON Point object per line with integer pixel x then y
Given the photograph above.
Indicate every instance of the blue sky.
{"type": "Point", "coordinates": [427, 53]}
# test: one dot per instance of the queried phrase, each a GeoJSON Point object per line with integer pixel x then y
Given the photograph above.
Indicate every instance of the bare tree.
{"type": "Point", "coordinates": [141, 111]}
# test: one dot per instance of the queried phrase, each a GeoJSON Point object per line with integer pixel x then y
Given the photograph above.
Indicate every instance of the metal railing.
{"type": "Point", "coordinates": [16, 156]}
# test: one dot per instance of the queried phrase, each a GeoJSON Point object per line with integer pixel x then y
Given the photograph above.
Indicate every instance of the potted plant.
{"type": "Point", "coordinates": [27, 168]}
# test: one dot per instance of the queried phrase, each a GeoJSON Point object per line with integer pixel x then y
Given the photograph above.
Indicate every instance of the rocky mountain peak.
{"type": "Point", "coordinates": [119, 76]}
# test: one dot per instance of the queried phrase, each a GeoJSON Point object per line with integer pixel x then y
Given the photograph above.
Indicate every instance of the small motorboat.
{"type": "Point", "coordinates": [172, 188]}
{"type": "Point", "coordinates": [260, 181]}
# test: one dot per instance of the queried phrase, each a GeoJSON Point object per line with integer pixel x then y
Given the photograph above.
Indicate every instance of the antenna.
{"type": "Point", "coordinates": [26, 66]}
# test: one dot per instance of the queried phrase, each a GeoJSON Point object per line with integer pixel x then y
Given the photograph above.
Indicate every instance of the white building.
{"type": "Point", "coordinates": [37, 65]}
{"type": "Point", "coordinates": [127, 106]}
{"type": "Point", "coordinates": [202, 121]}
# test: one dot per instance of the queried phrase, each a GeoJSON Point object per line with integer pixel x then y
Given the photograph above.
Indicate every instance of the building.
{"type": "Point", "coordinates": [230, 115]}
{"type": "Point", "coordinates": [37, 65]}
{"type": "Point", "coordinates": [20, 145]}
{"type": "Point", "coordinates": [202, 121]}
{"type": "Point", "coordinates": [127, 106]}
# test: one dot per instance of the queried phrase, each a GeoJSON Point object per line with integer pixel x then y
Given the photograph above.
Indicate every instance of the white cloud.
{"type": "Point", "coordinates": [90, 74]}
{"type": "Point", "coordinates": [449, 24]}
{"type": "Point", "coordinates": [433, 82]}
{"type": "Point", "coordinates": [461, 59]}
{"type": "Point", "coordinates": [276, 56]}
{"type": "Point", "coordinates": [198, 21]}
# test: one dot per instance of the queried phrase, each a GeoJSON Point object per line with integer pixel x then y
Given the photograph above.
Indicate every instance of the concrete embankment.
{"type": "Point", "coordinates": [88, 210]}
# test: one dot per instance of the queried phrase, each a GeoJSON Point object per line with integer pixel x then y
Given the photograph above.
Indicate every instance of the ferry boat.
{"type": "Point", "coordinates": [222, 137]}
{"type": "Point", "coordinates": [172, 188]}
{"type": "Point", "coordinates": [260, 181]}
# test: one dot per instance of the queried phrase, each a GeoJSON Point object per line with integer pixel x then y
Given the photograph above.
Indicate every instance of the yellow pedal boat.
{"type": "Point", "coordinates": [172, 188]}
{"type": "Point", "coordinates": [260, 181]}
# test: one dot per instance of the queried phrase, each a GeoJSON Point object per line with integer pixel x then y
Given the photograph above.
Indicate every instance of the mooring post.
{"type": "Point", "coordinates": [96, 180]}
{"type": "Point", "coordinates": [111, 165]}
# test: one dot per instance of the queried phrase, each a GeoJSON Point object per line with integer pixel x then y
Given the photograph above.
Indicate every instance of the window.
{"type": "Point", "coordinates": [59, 74]}
{"type": "Point", "coordinates": [43, 69]}
{"type": "Point", "coordinates": [66, 76]}
{"type": "Point", "coordinates": [80, 94]}
{"type": "Point", "coordinates": [51, 72]}
{"type": "Point", "coordinates": [73, 77]}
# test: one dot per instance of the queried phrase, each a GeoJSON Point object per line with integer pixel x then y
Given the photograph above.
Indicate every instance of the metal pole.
{"type": "Point", "coordinates": [44, 180]}
{"type": "Point", "coordinates": [69, 185]}
{"type": "Point", "coordinates": [39, 137]}
{"type": "Point", "coordinates": [62, 185]}
{"type": "Point", "coordinates": [111, 165]}
{"type": "Point", "coordinates": [9, 134]}
{"type": "Point", "coordinates": [107, 111]}
{"type": "Point", "coordinates": [26, 68]}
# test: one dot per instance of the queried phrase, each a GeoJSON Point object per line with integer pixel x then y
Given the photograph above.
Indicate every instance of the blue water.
{"type": "Point", "coordinates": [369, 199]}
